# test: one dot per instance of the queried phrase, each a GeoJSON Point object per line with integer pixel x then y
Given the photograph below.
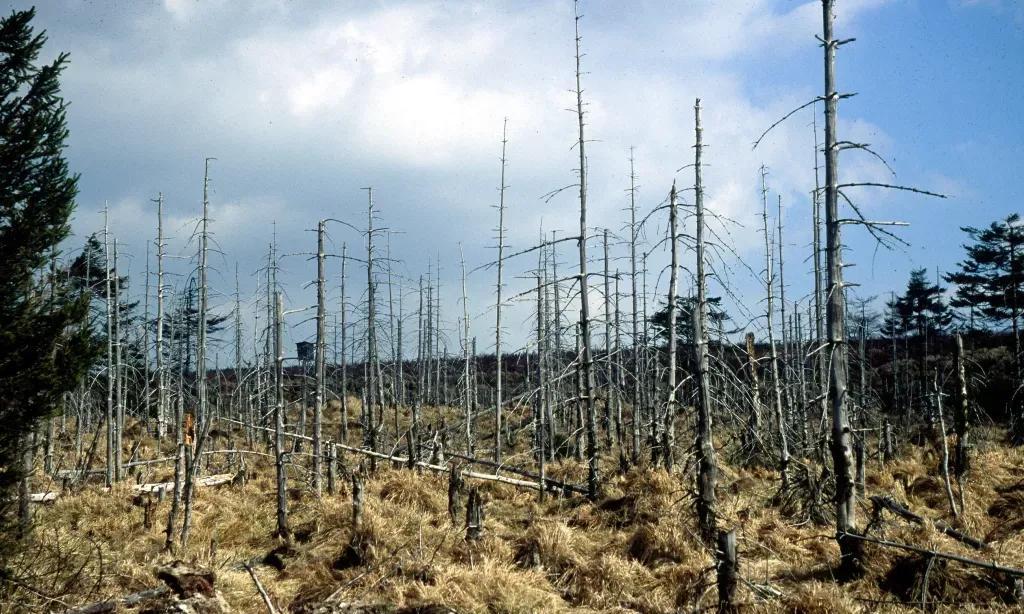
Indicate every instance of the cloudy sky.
{"type": "Point", "coordinates": [303, 103]}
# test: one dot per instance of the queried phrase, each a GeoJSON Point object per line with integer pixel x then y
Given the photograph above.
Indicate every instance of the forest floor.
{"type": "Point", "coordinates": [633, 550]}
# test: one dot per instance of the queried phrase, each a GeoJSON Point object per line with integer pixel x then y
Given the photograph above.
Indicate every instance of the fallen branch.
{"type": "Point", "coordinates": [886, 502]}
{"type": "Point", "coordinates": [990, 565]}
{"type": "Point", "coordinates": [262, 591]}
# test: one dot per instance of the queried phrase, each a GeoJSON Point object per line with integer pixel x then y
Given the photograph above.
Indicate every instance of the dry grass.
{"type": "Point", "coordinates": [634, 550]}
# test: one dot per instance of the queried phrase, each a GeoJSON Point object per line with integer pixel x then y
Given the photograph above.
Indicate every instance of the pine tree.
{"type": "Point", "coordinates": [43, 350]}
{"type": "Point", "coordinates": [921, 311]}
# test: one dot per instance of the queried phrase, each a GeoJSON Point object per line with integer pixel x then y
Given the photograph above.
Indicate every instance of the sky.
{"type": "Point", "coordinates": [304, 103]}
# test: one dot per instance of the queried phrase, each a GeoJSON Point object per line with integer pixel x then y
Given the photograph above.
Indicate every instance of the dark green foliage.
{"type": "Point", "coordinates": [43, 353]}
{"type": "Point", "coordinates": [989, 279]}
{"type": "Point", "coordinates": [920, 311]}
{"type": "Point", "coordinates": [684, 319]}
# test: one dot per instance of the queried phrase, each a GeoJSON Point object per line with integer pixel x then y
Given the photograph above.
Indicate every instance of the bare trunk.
{"type": "Point", "coordinates": [587, 359]}
{"type": "Point", "coordinates": [707, 468]}
{"type": "Point", "coordinates": [842, 440]}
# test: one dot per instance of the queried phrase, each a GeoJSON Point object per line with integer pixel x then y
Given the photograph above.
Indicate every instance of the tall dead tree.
{"type": "Point", "coordinates": [203, 419]}
{"type": "Point", "coordinates": [773, 358]}
{"type": "Point", "coordinates": [842, 439]}
{"type": "Point", "coordinates": [319, 358]}
{"type": "Point", "coordinates": [161, 375]}
{"type": "Point", "coordinates": [707, 468]}
{"type": "Point", "coordinates": [467, 383]}
{"type": "Point", "coordinates": [668, 428]}
{"type": "Point", "coordinates": [109, 417]}
{"type": "Point", "coordinates": [344, 365]}
{"type": "Point", "coordinates": [585, 354]}
{"type": "Point", "coordinates": [283, 531]}
{"type": "Point", "coordinates": [497, 307]}
{"type": "Point", "coordinates": [372, 361]}
{"type": "Point", "coordinates": [637, 381]}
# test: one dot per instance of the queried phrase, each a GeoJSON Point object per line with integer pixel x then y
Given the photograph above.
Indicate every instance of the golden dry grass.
{"type": "Point", "coordinates": [634, 550]}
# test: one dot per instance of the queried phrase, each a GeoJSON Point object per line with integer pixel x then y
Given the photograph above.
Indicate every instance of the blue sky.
{"type": "Point", "coordinates": [303, 103]}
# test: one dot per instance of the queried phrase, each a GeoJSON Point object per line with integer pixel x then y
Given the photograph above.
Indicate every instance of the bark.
{"type": "Point", "coordinates": [842, 441]}
{"type": "Point", "coordinates": [283, 531]}
{"type": "Point", "coordinates": [587, 359]}
{"type": "Point", "coordinates": [707, 469]}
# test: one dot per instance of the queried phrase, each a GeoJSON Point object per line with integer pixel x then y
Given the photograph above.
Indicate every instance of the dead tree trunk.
{"type": "Point", "coordinates": [319, 359]}
{"type": "Point", "coordinates": [727, 572]}
{"type": "Point", "coordinates": [203, 414]}
{"type": "Point", "coordinates": [668, 428]}
{"type": "Point", "coordinates": [637, 421]}
{"type": "Point", "coordinates": [707, 469]}
{"type": "Point", "coordinates": [773, 358]}
{"type": "Point", "coordinates": [344, 365]}
{"type": "Point", "coordinates": [587, 359]}
{"type": "Point", "coordinates": [111, 433]}
{"type": "Point", "coordinates": [283, 531]}
{"type": "Point", "coordinates": [497, 308]}
{"type": "Point", "coordinates": [842, 440]}
{"type": "Point", "coordinates": [961, 422]}
{"type": "Point", "coordinates": [161, 376]}
{"type": "Point", "coordinates": [467, 390]}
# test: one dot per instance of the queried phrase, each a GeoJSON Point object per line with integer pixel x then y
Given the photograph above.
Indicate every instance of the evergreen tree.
{"type": "Point", "coordinates": [919, 312]}
{"type": "Point", "coordinates": [989, 282]}
{"type": "Point", "coordinates": [989, 279]}
{"type": "Point", "coordinates": [43, 353]}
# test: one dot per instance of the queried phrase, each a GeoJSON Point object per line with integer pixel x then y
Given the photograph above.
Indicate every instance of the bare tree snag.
{"type": "Point", "coordinates": [283, 531]}
{"type": "Point", "coordinates": [727, 565]}
{"type": "Point", "coordinates": [707, 468]}
{"type": "Point", "coordinates": [497, 306]}
{"type": "Point", "coordinates": [842, 439]}
{"type": "Point", "coordinates": [586, 357]}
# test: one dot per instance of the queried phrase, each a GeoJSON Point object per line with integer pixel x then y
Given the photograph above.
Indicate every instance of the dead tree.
{"type": "Point", "coordinates": [637, 381]}
{"type": "Point", "coordinates": [319, 358]}
{"type": "Point", "coordinates": [204, 419]}
{"type": "Point", "coordinates": [467, 383]}
{"type": "Point", "coordinates": [283, 531]}
{"type": "Point", "coordinates": [497, 307]}
{"type": "Point", "coordinates": [752, 433]}
{"type": "Point", "coordinates": [585, 355]}
{"type": "Point", "coordinates": [961, 422]}
{"type": "Point", "coordinates": [707, 468]}
{"type": "Point", "coordinates": [773, 358]}
{"type": "Point", "coordinates": [944, 451]}
{"type": "Point", "coordinates": [344, 365]}
{"type": "Point", "coordinates": [111, 433]}
{"type": "Point", "coordinates": [842, 440]}
{"type": "Point", "coordinates": [668, 428]}
{"type": "Point", "coordinates": [728, 567]}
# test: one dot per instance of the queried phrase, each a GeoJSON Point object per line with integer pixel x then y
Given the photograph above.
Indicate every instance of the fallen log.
{"type": "Point", "coordinates": [549, 485]}
{"type": "Point", "coordinates": [989, 565]}
{"type": "Point", "coordinates": [885, 502]}
{"type": "Point", "coordinates": [210, 480]}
